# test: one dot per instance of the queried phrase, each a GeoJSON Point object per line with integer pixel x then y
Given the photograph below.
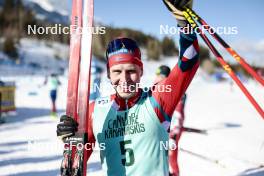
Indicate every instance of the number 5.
{"type": "Point", "coordinates": [130, 152]}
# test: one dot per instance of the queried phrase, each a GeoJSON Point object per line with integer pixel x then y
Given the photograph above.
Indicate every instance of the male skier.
{"type": "Point", "coordinates": [129, 123]}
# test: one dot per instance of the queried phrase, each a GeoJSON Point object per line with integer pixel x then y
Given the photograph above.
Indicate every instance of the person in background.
{"type": "Point", "coordinates": [53, 84]}
{"type": "Point", "coordinates": [176, 123]}
{"type": "Point", "coordinates": [96, 73]}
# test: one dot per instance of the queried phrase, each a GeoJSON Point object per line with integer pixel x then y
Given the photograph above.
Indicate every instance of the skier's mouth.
{"type": "Point", "coordinates": [127, 88]}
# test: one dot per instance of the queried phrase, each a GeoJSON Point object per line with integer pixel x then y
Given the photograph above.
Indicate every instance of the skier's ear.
{"type": "Point", "coordinates": [108, 71]}
{"type": "Point", "coordinates": [141, 72]}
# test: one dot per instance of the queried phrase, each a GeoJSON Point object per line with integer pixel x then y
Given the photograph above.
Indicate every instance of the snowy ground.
{"type": "Point", "coordinates": [234, 144]}
{"type": "Point", "coordinates": [36, 57]}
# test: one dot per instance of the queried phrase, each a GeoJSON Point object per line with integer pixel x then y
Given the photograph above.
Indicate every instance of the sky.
{"type": "Point", "coordinates": [148, 15]}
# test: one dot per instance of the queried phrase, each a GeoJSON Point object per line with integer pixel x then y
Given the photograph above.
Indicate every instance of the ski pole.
{"type": "Point", "coordinates": [203, 157]}
{"type": "Point", "coordinates": [224, 64]}
{"type": "Point", "coordinates": [231, 51]}
{"type": "Point", "coordinates": [194, 130]}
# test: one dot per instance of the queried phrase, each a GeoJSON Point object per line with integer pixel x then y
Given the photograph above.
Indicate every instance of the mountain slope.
{"type": "Point", "coordinates": [52, 11]}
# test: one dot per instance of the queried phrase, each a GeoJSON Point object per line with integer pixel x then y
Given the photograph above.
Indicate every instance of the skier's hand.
{"type": "Point", "coordinates": [173, 174]}
{"type": "Point", "coordinates": [177, 7]}
{"type": "Point", "coordinates": [67, 127]}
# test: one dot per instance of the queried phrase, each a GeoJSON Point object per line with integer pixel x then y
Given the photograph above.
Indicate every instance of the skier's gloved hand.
{"type": "Point", "coordinates": [67, 127]}
{"type": "Point", "coordinates": [177, 7]}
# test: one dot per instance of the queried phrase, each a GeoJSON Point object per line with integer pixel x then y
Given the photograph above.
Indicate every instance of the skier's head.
{"type": "Point", "coordinates": [124, 66]}
{"type": "Point", "coordinates": [123, 50]}
{"type": "Point", "coordinates": [53, 75]}
{"type": "Point", "coordinates": [162, 72]}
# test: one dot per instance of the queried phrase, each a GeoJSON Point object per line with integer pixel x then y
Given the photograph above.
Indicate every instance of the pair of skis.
{"type": "Point", "coordinates": [78, 86]}
{"type": "Point", "coordinates": [192, 17]}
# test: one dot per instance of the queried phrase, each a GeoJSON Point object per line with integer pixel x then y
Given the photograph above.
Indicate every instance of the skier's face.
{"type": "Point", "coordinates": [124, 78]}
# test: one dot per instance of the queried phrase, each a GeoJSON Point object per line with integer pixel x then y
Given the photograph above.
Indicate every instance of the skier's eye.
{"type": "Point", "coordinates": [117, 71]}
{"type": "Point", "coordinates": [131, 71]}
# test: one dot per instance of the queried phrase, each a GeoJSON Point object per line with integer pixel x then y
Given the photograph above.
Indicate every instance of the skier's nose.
{"type": "Point", "coordinates": [124, 76]}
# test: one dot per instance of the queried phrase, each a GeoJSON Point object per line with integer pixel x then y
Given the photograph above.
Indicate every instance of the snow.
{"type": "Point", "coordinates": [235, 139]}
{"type": "Point", "coordinates": [36, 57]}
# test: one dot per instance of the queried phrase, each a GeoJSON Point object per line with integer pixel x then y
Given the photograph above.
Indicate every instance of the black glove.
{"type": "Point", "coordinates": [176, 7]}
{"type": "Point", "coordinates": [67, 127]}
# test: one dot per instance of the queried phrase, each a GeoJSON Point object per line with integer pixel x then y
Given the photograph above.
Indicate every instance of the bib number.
{"type": "Point", "coordinates": [128, 153]}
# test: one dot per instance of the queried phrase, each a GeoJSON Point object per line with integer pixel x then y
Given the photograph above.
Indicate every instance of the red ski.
{"type": "Point", "coordinates": [78, 86]}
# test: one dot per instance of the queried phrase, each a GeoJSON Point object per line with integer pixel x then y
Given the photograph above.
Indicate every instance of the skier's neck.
{"type": "Point", "coordinates": [127, 103]}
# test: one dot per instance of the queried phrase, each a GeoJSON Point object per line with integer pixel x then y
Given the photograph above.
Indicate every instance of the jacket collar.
{"type": "Point", "coordinates": [124, 104]}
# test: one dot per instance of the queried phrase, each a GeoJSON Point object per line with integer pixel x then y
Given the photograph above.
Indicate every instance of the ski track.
{"type": "Point", "coordinates": [235, 139]}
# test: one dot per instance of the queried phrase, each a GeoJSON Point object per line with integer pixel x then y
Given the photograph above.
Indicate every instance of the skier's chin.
{"type": "Point", "coordinates": [126, 95]}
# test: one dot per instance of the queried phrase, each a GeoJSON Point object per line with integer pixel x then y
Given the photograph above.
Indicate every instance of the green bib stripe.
{"type": "Point", "coordinates": [132, 138]}
{"type": "Point", "coordinates": [155, 104]}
